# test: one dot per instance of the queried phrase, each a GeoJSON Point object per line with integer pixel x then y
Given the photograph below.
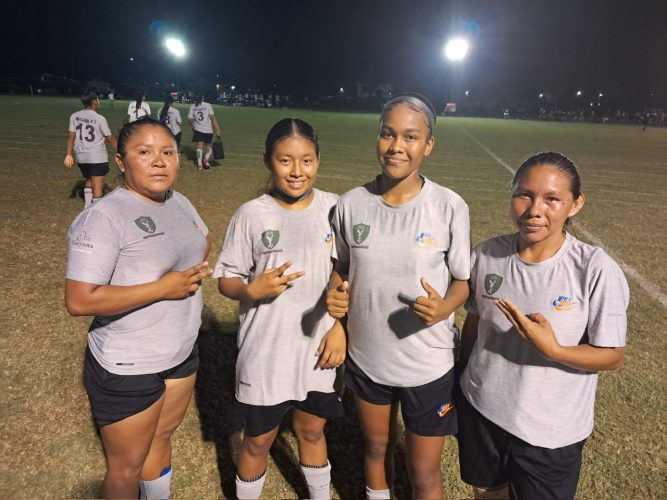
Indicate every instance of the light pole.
{"type": "Point", "coordinates": [455, 51]}
{"type": "Point", "coordinates": [177, 49]}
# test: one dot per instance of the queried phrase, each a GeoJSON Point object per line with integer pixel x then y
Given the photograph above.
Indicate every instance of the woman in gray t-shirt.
{"type": "Point", "coordinates": [529, 385]}
{"type": "Point", "coordinates": [135, 263]}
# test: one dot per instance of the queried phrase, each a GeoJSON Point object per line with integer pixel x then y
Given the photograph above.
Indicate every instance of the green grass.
{"type": "Point", "coordinates": [49, 447]}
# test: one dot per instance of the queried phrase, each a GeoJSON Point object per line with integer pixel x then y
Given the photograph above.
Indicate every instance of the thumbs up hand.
{"type": "Point", "coordinates": [338, 300]}
{"type": "Point", "coordinates": [432, 308]}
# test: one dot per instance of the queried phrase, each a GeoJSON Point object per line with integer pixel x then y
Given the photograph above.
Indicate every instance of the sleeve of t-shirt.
{"type": "Point", "coordinates": [210, 110]}
{"type": "Point", "coordinates": [129, 109]}
{"type": "Point", "coordinates": [94, 246]}
{"type": "Point", "coordinates": [191, 112]}
{"type": "Point", "coordinates": [72, 125]}
{"type": "Point", "coordinates": [235, 260]}
{"type": "Point", "coordinates": [104, 127]}
{"type": "Point", "coordinates": [471, 303]}
{"type": "Point", "coordinates": [458, 255]}
{"type": "Point", "coordinates": [608, 304]}
{"type": "Point", "coordinates": [179, 120]}
{"type": "Point", "coordinates": [148, 109]}
{"type": "Point", "coordinates": [342, 249]}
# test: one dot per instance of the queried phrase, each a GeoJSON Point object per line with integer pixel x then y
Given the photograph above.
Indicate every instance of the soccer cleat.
{"type": "Point", "coordinates": [205, 164]}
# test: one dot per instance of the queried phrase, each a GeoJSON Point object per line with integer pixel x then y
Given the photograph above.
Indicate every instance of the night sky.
{"type": "Point", "coordinates": [521, 46]}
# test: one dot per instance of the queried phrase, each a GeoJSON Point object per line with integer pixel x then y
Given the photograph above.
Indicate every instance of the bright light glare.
{"type": "Point", "coordinates": [578, 92]}
{"type": "Point", "coordinates": [456, 49]}
{"type": "Point", "coordinates": [175, 46]}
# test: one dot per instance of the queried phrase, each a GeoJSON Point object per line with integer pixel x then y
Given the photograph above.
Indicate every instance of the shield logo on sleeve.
{"type": "Point", "coordinates": [360, 233]}
{"type": "Point", "coordinates": [270, 238]}
{"type": "Point", "coordinates": [492, 283]}
{"type": "Point", "coordinates": [145, 223]}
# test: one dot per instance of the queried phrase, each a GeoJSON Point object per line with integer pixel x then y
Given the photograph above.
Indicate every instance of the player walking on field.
{"type": "Point", "coordinates": [528, 389]}
{"type": "Point", "coordinates": [171, 117]}
{"type": "Point", "coordinates": [136, 260]}
{"type": "Point", "coordinates": [288, 346]}
{"type": "Point", "coordinates": [138, 108]}
{"type": "Point", "coordinates": [85, 142]}
{"type": "Point", "coordinates": [403, 245]}
{"type": "Point", "coordinates": [202, 119]}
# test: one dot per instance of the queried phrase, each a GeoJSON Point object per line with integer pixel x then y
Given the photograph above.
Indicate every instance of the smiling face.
{"type": "Point", "coordinates": [404, 141]}
{"type": "Point", "coordinates": [542, 201]}
{"type": "Point", "coordinates": [149, 161]}
{"type": "Point", "coordinates": [293, 163]}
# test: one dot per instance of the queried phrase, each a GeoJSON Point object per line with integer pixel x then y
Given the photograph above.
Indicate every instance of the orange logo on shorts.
{"type": "Point", "coordinates": [445, 409]}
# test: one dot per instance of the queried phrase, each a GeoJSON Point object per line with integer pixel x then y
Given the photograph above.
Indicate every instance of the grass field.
{"type": "Point", "coordinates": [48, 444]}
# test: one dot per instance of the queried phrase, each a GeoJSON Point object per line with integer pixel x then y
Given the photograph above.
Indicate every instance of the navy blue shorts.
{"type": "Point", "coordinates": [115, 397]}
{"type": "Point", "coordinates": [89, 170]}
{"type": "Point", "coordinates": [427, 410]}
{"type": "Point", "coordinates": [258, 420]}
{"type": "Point", "coordinates": [198, 136]}
{"type": "Point", "coordinates": [490, 456]}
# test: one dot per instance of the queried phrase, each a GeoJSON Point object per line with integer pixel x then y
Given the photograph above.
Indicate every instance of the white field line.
{"type": "Point", "coordinates": [643, 282]}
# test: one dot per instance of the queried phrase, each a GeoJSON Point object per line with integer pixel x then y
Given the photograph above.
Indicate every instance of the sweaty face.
{"type": "Point", "coordinates": [150, 163]}
{"type": "Point", "coordinates": [404, 142]}
{"type": "Point", "coordinates": [541, 203]}
{"type": "Point", "coordinates": [293, 164]}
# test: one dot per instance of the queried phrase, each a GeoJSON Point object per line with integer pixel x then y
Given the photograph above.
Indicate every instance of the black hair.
{"type": "Point", "coordinates": [130, 129]}
{"type": "Point", "coordinates": [165, 109]}
{"type": "Point", "coordinates": [408, 98]}
{"type": "Point", "coordinates": [288, 127]}
{"type": "Point", "coordinates": [88, 98]}
{"type": "Point", "coordinates": [558, 160]}
{"type": "Point", "coordinates": [199, 97]}
{"type": "Point", "coordinates": [139, 98]}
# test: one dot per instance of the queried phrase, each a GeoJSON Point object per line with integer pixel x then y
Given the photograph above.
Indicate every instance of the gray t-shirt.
{"type": "Point", "coordinates": [125, 240]}
{"type": "Point", "coordinates": [90, 129]}
{"type": "Point", "coordinates": [583, 293]}
{"type": "Point", "coordinates": [388, 249]}
{"type": "Point", "coordinates": [278, 337]}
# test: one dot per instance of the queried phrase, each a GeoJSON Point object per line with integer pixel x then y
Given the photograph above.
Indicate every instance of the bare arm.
{"type": "Point", "coordinates": [209, 241]}
{"type": "Point", "coordinates": [215, 125]}
{"type": "Point", "coordinates": [468, 339]}
{"type": "Point", "coordinates": [69, 159]}
{"type": "Point", "coordinates": [112, 141]}
{"type": "Point", "coordinates": [537, 330]}
{"type": "Point", "coordinates": [88, 299]}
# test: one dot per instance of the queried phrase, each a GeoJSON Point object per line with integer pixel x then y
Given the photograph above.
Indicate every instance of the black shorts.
{"type": "Point", "coordinates": [489, 456]}
{"type": "Point", "coordinates": [258, 420]}
{"type": "Point", "coordinates": [89, 170]}
{"type": "Point", "coordinates": [198, 136]}
{"type": "Point", "coordinates": [427, 410]}
{"type": "Point", "coordinates": [178, 139]}
{"type": "Point", "coordinates": [115, 397]}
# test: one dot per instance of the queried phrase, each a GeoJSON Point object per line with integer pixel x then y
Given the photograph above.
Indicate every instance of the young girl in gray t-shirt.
{"type": "Point", "coordinates": [529, 385]}
{"type": "Point", "coordinates": [284, 326]}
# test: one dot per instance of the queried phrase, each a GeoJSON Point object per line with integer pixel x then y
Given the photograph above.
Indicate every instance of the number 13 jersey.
{"type": "Point", "coordinates": [89, 128]}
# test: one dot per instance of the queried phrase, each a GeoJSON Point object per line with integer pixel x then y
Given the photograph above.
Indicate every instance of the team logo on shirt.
{"type": "Point", "coordinates": [444, 409]}
{"type": "Point", "coordinates": [270, 238]}
{"type": "Point", "coordinates": [145, 223]}
{"type": "Point", "coordinates": [360, 233]}
{"type": "Point", "coordinates": [492, 283]}
{"type": "Point", "coordinates": [424, 239]}
{"type": "Point", "coordinates": [563, 303]}
{"type": "Point", "coordinates": [328, 239]}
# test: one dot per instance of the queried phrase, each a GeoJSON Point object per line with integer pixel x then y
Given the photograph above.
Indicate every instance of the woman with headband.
{"type": "Point", "coordinates": [403, 261]}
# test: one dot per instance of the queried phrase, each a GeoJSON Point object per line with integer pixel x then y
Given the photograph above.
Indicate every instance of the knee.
{"type": "Point", "coordinates": [309, 435]}
{"type": "Point", "coordinates": [377, 448]}
{"type": "Point", "coordinates": [257, 447]}
{"type": "Point", "coordinates": [426, 480]}
{"type": "Point", "coordinates": [125, 472]}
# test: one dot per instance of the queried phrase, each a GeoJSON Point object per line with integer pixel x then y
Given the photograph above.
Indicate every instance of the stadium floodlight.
{"type": "Point", "coordinates": [456, 49]}
{"type": "Point", "coordinates": [541, 96]}
{"type": "Point", "coordinates": [467, 92]}
{"type": "Point", "coordinates": [578, 93]}
{"type": "Point", "coordinates": [233, 87]}
{"type": "Point", "coordinates": [601, 94]}
{"type": "Point", "coordinates": [175, 46]}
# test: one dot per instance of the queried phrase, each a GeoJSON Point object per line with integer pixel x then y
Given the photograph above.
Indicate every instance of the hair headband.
{"type": "Point", "coordinates": [420, 105]}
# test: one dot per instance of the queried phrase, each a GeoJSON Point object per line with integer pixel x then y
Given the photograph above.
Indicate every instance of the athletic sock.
{"type": "Point", "coordinates": [250, 490]}
{"type": "Point", "coordinates": [209, 151]}
{"type": "Point", "coordinates": [95, 199]}
{"type": "Point", "coordinates": [159, 488]}
{"type": "Point", "coordinates": [199, 155]}
{"type": "Point", "coordinates": [377, 494]}
{"type": "Point", "coordinates": [87, 197]}
{"type": "Point", "coordinates": [318, 479]}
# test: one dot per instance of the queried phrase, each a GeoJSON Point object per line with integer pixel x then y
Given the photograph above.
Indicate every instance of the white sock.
{"type": "Point", "coordinates": [209, 151]}
{"type": "Point", "coordinates": [377, 494]}
{"type": "Point", "coordinates": [318, 480]}
{"type": "Point", "coordinates": [87, 196]}
{"type": "Point", "coordinates": [159, 488]}
{"type": "Point", "coordinates": [199, 155]}
{"type": "Point", "coordinates": [249, 490]}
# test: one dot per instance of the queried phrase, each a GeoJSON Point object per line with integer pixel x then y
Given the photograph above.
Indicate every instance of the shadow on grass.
{"type": "Point", "coordinates": [214, 395]}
